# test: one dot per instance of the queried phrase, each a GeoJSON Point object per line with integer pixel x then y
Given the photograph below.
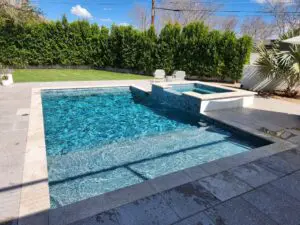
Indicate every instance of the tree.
{"type": "Point", "coordinates": [285, 65]}
{"type": "Point", "coordinates": [186, 11]}
{"type": "Point", "coordinates": [25, 13]}
{"type": "Point", "coordinates": [257, 28]}
{"type": "Point", "coordinates": [286, 14]}
{"type": "Point", "coordinates": [141, 15]}
{"type": "Point", "coordinates": [228, 23]}
{"type": "Point", "coordinates": [168, 47]}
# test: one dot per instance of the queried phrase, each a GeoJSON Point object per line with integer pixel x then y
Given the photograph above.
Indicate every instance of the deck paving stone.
{"type": "Point", "coordinates": [253, 174]}
{"type": "Point", "coordinates": [20, 125]}
{"type": "Point", "coordinates": [189, 198]}
{"type": "Point", "coordinates": [79, 210]}
{"type": "Point", "coordinates": [40, 218]}
{"type": "Point", "coordinates": [238, 212]}
{"type": "Point", "coordinates": [196, 172]}
{"type": "Point", "coordinates": [292, 157]}
{"type": "Point", "coordinates": [111, 217]}
{"type": "Point", "coordinates": [8, 201]}
{"type": "Point", "coordinates": [275, 203]}
{"type": "Point", "coordinates": [198, 219]}
{"type": "Point", "coordinates": [289, 184]}
{"type": "Point", "coordinates": [224, 185]}
{"type": "Point", "coordinates": [6, 126]}
{"type": "Point", "coordinates": [212, 168]}
{"type": "Point", "coordinates": [150, 210]}
{"type": "Point", "coordinates": [131, 193]}
{"type": "Point", "coordinates": [276, 165]}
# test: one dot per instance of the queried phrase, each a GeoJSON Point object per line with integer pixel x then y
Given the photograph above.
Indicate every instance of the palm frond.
{"type": "Point", "coordinates": [267, 61]}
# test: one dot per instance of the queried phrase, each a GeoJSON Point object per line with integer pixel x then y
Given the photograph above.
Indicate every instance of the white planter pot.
{"type": "Point", "coordinates": [7, 82]}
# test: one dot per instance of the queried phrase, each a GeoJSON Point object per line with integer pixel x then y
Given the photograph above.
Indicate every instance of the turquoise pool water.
{"type": "Point", "coordinates": [199, 88]}
{"type": "Point", "coordinates": [100, 140]}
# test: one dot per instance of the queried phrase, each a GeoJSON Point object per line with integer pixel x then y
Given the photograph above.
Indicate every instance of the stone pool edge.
{"type": "Point", "coordinates": [35, 198]}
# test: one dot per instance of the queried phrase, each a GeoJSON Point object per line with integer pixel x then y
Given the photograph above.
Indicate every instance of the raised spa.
{"type": "Point", "coordinates": [198, 88]}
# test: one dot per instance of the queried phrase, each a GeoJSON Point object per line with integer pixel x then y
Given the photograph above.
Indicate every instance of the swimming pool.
{"type": "Point", "coordinates": [102, 139]}
{"type": "Point", "coordinates": [199, 88]}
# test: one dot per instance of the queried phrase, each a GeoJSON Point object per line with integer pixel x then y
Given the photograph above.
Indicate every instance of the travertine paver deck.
{"type": "Point", "coordinates": [265, 191]}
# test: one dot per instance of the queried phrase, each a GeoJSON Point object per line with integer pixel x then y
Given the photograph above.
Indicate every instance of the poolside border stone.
{"type": "Point", "coordinates": [35, 197]}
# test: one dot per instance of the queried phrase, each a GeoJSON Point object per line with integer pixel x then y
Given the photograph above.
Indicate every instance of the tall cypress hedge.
{"type": "Point", "coordinates": [195, 48]}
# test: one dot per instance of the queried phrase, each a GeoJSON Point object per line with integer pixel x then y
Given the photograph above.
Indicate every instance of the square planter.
{"type": "Point", "coordinates": [7, 82]}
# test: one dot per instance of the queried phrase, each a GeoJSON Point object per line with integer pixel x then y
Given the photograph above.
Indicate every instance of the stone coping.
{"type": "Point", "coordinates": [140, 88]}
{"type": "Point", "coordinates": [233, 94]}
{"type": "Point", "coordinates": [35, 197]}
{"type": "Point", "coordinates": [35, 190]}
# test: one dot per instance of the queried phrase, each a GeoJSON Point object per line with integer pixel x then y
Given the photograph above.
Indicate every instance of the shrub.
{"type": "Point", "coordinates": [147, 55]}
{"type": "Point", "coordinates": [168, 47]}
{"type": "Point", "coordinates": [194, 48]}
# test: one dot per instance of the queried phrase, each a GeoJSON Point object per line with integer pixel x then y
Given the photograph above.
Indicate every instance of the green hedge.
{"type": "Point", "coordinates": [194, 48]}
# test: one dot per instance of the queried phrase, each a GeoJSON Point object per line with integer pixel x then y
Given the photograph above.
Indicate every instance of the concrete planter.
{"type": "Point", "coordinates": [7, 82]}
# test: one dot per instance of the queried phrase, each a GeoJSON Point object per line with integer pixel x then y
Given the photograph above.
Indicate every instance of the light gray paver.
{"type": "Point", "coordinates": [279, 206]}
{"type": "Point", "coordinates": [23, 111]}
{"type": "Point", "coordinates": [11, 167]}
{"type": "Point", "coordinates": [289, 184]}
{"type": "Point", "coordinates": [238, 212]}
{"type": "Point", "coordinates": [189, 198]}
{"type": "Point", "coordinates": [224, 185]}
{"type": "Point", "coordinates": [253, 174]}
{"type": "Point", "coordinates": [8, 201]}
{"type": "Point", "coordinates": [20, 125]}
{"type": "Point", "coordinates": [6, 126]}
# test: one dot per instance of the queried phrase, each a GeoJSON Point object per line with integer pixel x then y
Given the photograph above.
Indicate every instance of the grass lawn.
{"type": "Point", "coordinates": [44, 75]}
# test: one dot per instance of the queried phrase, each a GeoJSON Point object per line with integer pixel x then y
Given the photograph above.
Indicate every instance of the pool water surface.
{"type": "Point", "coordinates": [199, 88]}
{"type": "Point", "coordinates": [102, 139]}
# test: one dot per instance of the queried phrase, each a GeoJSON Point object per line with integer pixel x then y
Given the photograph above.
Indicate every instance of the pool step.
{"type": "Point", "coordinates": [133, 151]}
{"type": "Point", "coordinates": [80, 175]}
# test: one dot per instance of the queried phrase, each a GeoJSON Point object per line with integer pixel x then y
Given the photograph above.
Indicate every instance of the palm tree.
{"type": "Point", "coordinates": [277, 64]}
